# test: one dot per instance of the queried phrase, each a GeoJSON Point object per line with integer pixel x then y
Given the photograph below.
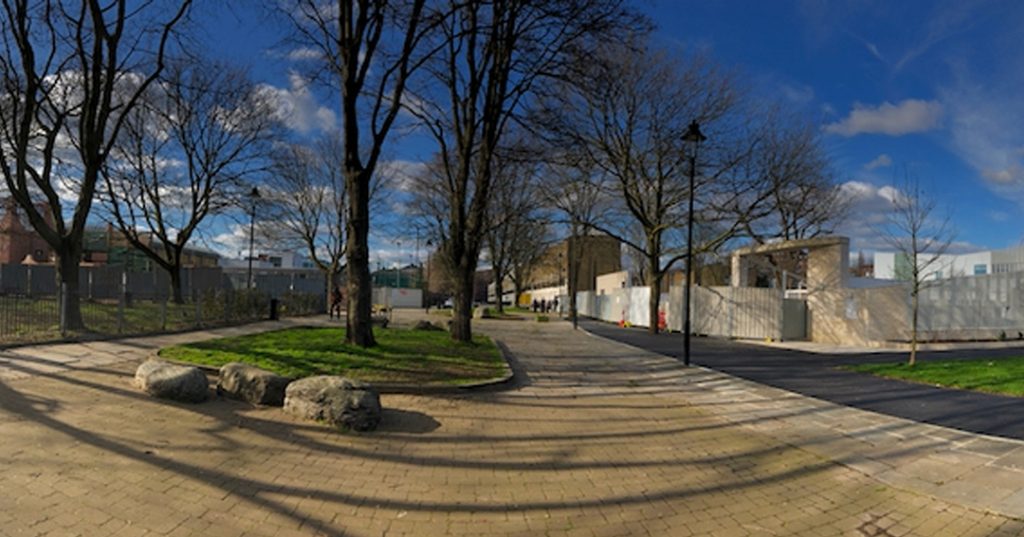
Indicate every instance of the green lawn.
{"type": "Point", "coordinates": [1002, 376]}
{"type": "Point", "coordinates": [401, 356]}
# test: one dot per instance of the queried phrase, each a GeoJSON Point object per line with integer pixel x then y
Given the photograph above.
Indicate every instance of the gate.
{"type": "Point", "coordinates": [794, 319]}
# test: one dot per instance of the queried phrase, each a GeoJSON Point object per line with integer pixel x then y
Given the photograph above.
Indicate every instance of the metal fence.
{"type": "Point", "coordinates": [33, 318]}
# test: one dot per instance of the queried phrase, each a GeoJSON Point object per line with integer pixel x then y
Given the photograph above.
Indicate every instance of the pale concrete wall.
{"type": "Point", "coordinates": [978, 307]}
{"type": "Point", "coordinates": [612, 281]}
{"type": "Point", "coordinates": [885, 265]}
{"type": "Point", "coordinates": [943, 266]}
{"type": "Point", "coordinates": [827, 266]}
{"type": "Point", "coordinates": [863, 317]}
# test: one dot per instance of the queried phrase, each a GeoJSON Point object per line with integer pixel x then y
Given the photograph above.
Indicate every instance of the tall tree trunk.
{"type": "Point", "coordinates": [654, 284]}
{"type": "Point", "coordinates": [69, 256]}
{"type": "Point", "coordinates": [175, 273]}
{"type": "Point", "coordinates": [358, 322]}
{"type": "Point", "coordinates": [913, 324]}
{"type": "Point", "coordinates": [499, 290]}
{"type": "Point", "coordinates": [517, 292]}
{"type": "Point", "coordinates": [462, 304]}
{"type": "Point", "coordinates": [573, 283]}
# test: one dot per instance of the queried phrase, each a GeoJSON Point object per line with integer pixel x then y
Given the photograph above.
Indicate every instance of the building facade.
{"type": "Point", "coordinates": [18, 240]}
{"type": "Point", "coordinates": [598, 254]}
{"type": "Point", "coordinates": [896, 265]}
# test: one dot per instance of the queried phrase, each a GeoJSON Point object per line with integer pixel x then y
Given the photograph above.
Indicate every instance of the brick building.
{"type": "Point", "coordinates": [598, 254]}
{"type": "Point", "coordinates": [18, 240]}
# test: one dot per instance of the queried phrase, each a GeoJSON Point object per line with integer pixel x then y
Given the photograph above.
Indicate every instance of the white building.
{"type": "Point", "coordinates": [896, 265]}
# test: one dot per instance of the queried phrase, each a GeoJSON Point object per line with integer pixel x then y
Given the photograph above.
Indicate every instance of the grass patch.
{"type": "Point", "coordinates": [1002, 376]}
{"type": "Point", "coordinates": [401, 356]}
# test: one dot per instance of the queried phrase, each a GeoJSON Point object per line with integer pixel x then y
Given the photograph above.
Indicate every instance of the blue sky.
{"type": "Point", "coordinates": [932, 88]}
{"type": "Point", "coordinates": [928, 87]}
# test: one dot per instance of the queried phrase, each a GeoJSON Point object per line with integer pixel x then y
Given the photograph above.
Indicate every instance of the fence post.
{"type": "Point", "coordinates": [89, 280]}
{"type": "Point", "coordinates": [122, 298]}
{"type": "Point", "coordinates": [28, 280]}
{"type": "Point", "coordinates": [62, 303]}
{"type": "Point", "coordinates": [227, 306]}
{"type": "Point", "coordinates": [163, 315]}
{"type": "Point", "coordinates": [196, 301]}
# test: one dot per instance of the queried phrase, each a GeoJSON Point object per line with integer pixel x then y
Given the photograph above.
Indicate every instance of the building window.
{"type": "Point", "coordinates": [980, 269]}
{"type": "Point", "coordinates": [937, 275]}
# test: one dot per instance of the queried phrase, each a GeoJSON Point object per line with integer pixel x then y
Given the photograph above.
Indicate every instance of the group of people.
{"type": "Point", "coordinates": [545, 306]}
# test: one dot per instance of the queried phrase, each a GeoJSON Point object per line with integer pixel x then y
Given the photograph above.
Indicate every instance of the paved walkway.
{"type": "Point", "coordinates": [601, 439]}
{"type": "Point", "coordinates": [817, 375]}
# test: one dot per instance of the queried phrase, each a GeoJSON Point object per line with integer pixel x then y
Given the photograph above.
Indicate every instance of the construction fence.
{"type": "Point", "coordinates": [970, 308]}
{"type": "Point", "coordinates": [736, 312]}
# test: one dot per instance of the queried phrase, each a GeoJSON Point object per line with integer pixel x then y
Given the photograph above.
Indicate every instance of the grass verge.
{"type": "Point", "coordinates": [1003, 376]}
{"type": "Point", "coordinates": [412, 357]}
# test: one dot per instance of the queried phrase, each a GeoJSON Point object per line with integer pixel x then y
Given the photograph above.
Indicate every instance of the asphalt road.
{"type": "Point", "coordinates": [817, 375]}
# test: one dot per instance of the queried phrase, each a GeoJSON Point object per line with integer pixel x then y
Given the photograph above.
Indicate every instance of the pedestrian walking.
{"type": "Point", "coordinates": [335, 303]}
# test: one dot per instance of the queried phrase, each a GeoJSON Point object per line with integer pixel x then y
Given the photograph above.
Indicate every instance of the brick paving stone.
{"type": "Point", "coordinates": [600, 440]}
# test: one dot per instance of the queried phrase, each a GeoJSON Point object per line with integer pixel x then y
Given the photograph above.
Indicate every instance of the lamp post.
{"type": "Point", "coordinates": [693, 137]}
{"type": "Point", "coordinates": [254, 195]}
{"type": "Point", "coordinates": [398, 267]}
{"type": "Point", "coordinates": [426, 284]}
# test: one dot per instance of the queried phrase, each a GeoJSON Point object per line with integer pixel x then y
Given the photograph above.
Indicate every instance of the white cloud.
{"type": "Point", "coordinates": [297, 107]}
{"type": "Point", "coordinates": [986, 133]}
{"type": "Point", "coordinates": [881, 161]}
{"type": "Point", "coordinates": [399, 174]}
{"type": "Point", "coordinates": [870, 207]}
{"type": "Point", "coordinates": [906, 117]}
{"type": "Point", "coordinates": [304, 53]}
{"type": "Point", "coordinates": [797, 93]}
{"type": "Point", "coordinates": [232, 242]}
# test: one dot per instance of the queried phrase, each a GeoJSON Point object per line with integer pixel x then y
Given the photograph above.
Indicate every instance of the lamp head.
{"type": "Point", "coordinates": [693, 134]}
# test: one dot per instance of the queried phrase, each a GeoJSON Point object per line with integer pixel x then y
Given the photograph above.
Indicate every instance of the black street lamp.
{"type": "Point", "coordinates": [693, 137]}
{"type": "Point", "coordinates": [254, 195]}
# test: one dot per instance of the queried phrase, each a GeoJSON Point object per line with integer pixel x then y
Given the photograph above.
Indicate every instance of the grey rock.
{"type": "Point", "coordinates": [339, 401]}
{"type": "Point", "coordinates": [427, 326]}
{"type": "Point", "coordinates": [171, 381]}
{"type": "Point", "coordinates": [251, 384]}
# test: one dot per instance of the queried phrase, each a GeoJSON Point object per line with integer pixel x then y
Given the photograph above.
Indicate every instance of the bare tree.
{"type": "Point", "coordinates": [306, 199]}
{"type": "Point", "coordinates": [804, 199]}
{"type": "Point", "coordinates": [532, 237]}
{"type": "Point", "coordinates": [513, 212]}
{"type": "Point", "coordinates": [183, 154]}
{"type": "Point", "coordinates": [919, 233]}
{"type": "Point", "coordinates": [70, 74]}
{"type": "Point", "coordinates": [494, 55]}
{"type": "Point", "coordinates": [578, 198]}
{"type": "Point", "coordinates": [627, 114]}
{"type": "Point", "coordinates": [354, 39]}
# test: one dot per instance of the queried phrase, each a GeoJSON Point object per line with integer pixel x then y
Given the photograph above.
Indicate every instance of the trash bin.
{"type": "Point", "coordinates": [273, 309]}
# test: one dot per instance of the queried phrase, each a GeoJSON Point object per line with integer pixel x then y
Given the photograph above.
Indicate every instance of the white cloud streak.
{"type": "Point", "coordinates": [906, 117]}
{"type": "Point", "coordinates": [296, 106]}
{"type": "Point", "coordinates": [881, 161]}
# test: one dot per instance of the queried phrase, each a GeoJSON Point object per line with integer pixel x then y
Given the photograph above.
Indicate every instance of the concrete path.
{"type": "Point", "coordinates": [601, 439]}
{"type": "Point", "coordinates": [817, 375]}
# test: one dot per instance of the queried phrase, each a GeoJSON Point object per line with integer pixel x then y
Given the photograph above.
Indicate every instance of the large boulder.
{"type": "Point", "coordinates": [251, 384]}
{"type": "Point", "coordinates": [171, 381]}
{"type": "Point", "coordinates": [427, 326]}
{"type": "Point", "coordinates": [342, 402]}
